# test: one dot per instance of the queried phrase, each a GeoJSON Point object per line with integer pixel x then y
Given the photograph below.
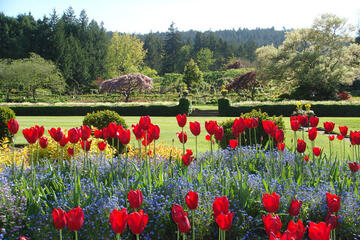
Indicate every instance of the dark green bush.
{"type": "Point", "coordinates": [261, 136]}
{"type": "Point", "coordinates": [5, 114]}
{"type": "Point", "coordinates": [101, 119]}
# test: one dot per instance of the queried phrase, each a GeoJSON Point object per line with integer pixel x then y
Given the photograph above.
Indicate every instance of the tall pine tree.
{"type": "Point", "coordinates": [173, 43]}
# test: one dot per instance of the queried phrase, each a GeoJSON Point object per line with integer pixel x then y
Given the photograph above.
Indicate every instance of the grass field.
{"type": "Point", "coordinates": [169, 127]}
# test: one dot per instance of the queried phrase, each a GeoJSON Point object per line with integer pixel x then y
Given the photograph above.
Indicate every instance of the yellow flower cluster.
{"type": "Point", "coordinates": [7, 157]}
{"type": "Point", "coordinates": [160, 150]}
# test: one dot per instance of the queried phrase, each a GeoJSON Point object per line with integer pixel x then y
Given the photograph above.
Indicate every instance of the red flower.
{"type": "Point", "coordinates": [329, 126]}
{"type": "Point", "coordinates": [319, 231]}
{"type": "Point", "coordinates": [24, 238]}
{"type": "Point", "coordinates": [295, 124]}
{"type": "Point", "coordinates": [70, 151]}
{"type": "Point", "coordinates": [124, 136]}
{"type": "Point", "coordinates": [74, 135]}
{"type": "Point", "coordinates": [331, 138]}
{"type": "Point", "coordinates": [30, 134]}
{"type": "Point", "coordinates": [184, 224]}
{"type": "Point", "coordinates": [224, 220]}
{"type": "Point", "coordinates": [40, 130]}
{"type": "Point", "coordinates": [210, 126]}
{"type": "Point", "coordinates": [343, 130]}
{"type": "Point", "coordinates": [59, 218]}
{"type": "Point", "coordinates": [64, 140]}
{"type": "Point", "coordinates": [354, 167]}
{"type": "Point", "coordinates": [355, 137]}
{"type": "Point", "coordinates": [181, 119]}
{"type": "Point", "coordinates": [269, 127]}
{"type": "Point", "coordinates": [192, 199]}
{"type": "Point", "coordinates": [182, 136]}
{"type": "Point", "coordinates": [118, 220]}
{"type": "Point", "coordinates": [279, 135]}
{"type": "Point", "coordinates": [312, 133]}
{"type": "Point", "coordinates": [219, 133]}
{"type": "Point", "coordinates": [106, 133]}
{"type": "Point", "coordinates": [56, 133]}
{"type": "Point", "coordinates": [137, 222]}
{"type": "Point", "coordinates": [112, 129]}
{"type": "Point", "coordinates": [316, 151]}
{"type": "Point", "coordinates": [271, 202]}
{"type": "Point", "coordinates": [221, 205]}
{"type": "Point", "coordinates": [155, 132]}
{"type": "Point", "coordinates": [294, 208]}
{"type": "Point", "coordinates": [75, 219]}
{"type": "Point", "coordinates": [177, 212]}
{"type": "Point", "coordinates": [301, 146]}
{"type": "Point", "coordinates": [43, 142]}
{"type": "Point", "coordinates": [248, 122]}
{"type": "Point", "coordinates": [98, 133]}
{"type": "Point", "coordinates": [101, 146]}
{"type": "Point", "coordinates": [138, 131]}
{"type": "Point", "coordinates": [148, 139]}
{"type": "Point", "coordinates": [208, 137]}
{"type": "Point", "coordinates": [135, 198]}
{"type": "Point", "coordinates": [314, 121]}
{"type": "Point", "coordinates": [145, 123]}
{"type": "Point", "coordinates": [306, 158]}
{"type": "Point", "coordinates": [340, 137]}
{"type": "Point", "coordinates": [187, 158]}
{"type": "Point", "coordinates": [85, 132]}
{"type": "Point", "coordinates": [272, 223]}
{"type": "Point", "coordinates": [281, 146]}
{"type": "Point", "coordinates": [296, 230]}
{"type": "Point", "coordinates": [238, 127]}
{"type": "Point", "coordinates": [255, 122]}
{"type": "Point", "coordinates": [195, 128]}
{"type": "Point", "coordinates": [303, 119]}
{"type": "Point", "coordinates": [13, 126]}
{"type": "Point", "coordinates": [86, 146]}
{"type": "Point", "coordinates": [332, 220]}
{"type": "Point", "coordinates": [233, 143]}
{"type": "Point", "coordinates": [333, 202]}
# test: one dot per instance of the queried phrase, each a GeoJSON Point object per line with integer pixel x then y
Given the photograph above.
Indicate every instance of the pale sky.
{"type": "Point", "coordinates": [143, 16]}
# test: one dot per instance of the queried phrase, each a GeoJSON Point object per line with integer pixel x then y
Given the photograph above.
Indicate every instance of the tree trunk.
{"type": "Point", "coordinates": [34, 94]}
{"type": "Point", "coordinates": [8, 95]}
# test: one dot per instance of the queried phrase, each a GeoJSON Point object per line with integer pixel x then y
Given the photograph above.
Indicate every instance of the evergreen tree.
{"type": "Point", "coordinates": [192, 75]}
{"type": "Point", "coordinates": [153, 44]}
{"type": "Point", "coordinates": [357, 39]}
{"type": "Point", "coordinates": [173, 43]}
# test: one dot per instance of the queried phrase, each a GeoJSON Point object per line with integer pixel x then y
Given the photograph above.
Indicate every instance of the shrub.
{"type": "Point", "coordinates": [261, 136]}
{"type": "Point", "coordinates": [101, 119]}
{"type": "Point", "coordinates": [5, 114]}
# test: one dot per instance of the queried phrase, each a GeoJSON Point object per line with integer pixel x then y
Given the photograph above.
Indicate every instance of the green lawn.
{"type": "Point", "coordinates": [169, 127]}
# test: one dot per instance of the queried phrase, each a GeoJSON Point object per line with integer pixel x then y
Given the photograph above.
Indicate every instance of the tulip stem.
{"type": "Point", "coordinates": [184, 236]}
{"type": "Point", "coordinates": [255, 138]}
{"type": "Point", "coordinates": [250, 142]}
{"type": "Point", "coordinates": [178, 235]}
{"type": "Point", "coordinates": [193, 220]}
{"type": "Point", "coordinates": [182, 131]}
{"type": "Point", "coordinates": [76, 235]}
{"type": "Point", "coordinates": [37, 151]}
{"type": "Point", "coordinates": [196, 147]}
{"type": "Point", "coordinates": [60, 234]}
{"type": "Point", "coordinates": [13, 150]}
{"type": "Point", "coordinates": [118, 236]}
{"type": "Point", "coordinates": [137, 237]}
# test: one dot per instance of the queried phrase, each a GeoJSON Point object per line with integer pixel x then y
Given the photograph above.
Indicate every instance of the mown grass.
{"type": "Point", "coordinates": [169, 128]}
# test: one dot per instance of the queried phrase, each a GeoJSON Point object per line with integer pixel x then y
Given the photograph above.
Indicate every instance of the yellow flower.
{"type": "Point", "coordinates": [308, 106]}
{"type": "Point", "coordinates": [299, 104]}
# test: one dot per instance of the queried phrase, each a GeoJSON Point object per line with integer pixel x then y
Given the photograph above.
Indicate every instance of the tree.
{"type": "Point", "coordinates": [173, 43]}
{"type": "Point", "coordinates": [153, 45]}
{"type": "Point", "coordinates": [192, 74]}
{"type": "Point", "coordinates": [204, 59]}
{"type": "Point", "coordinates": [315, 61]}
{"type": "Point", "coordinates": [124, 55]}
{"type": "Point", "coordinates": [244, 82]}
{"type": "Point", "coordinates": [357, 39]}
{"type": "Point", "coordinates": [127, 84]}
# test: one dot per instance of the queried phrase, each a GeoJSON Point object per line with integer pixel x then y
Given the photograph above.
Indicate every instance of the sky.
{"type": "Point", "coordinates": [143, 16]}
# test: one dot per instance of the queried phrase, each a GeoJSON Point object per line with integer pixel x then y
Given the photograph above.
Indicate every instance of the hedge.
{"type": "Point", "coordinates": [152, 110]}
{"type": "Point", "coordinates": [321, 110]}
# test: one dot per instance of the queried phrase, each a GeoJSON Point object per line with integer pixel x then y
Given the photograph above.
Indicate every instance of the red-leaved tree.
{"type": "Point", "coordinates": [246, 81]}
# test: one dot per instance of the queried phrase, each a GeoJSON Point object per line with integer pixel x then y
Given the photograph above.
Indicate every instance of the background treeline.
{"type": "Point", "coordinates": [78, 46]}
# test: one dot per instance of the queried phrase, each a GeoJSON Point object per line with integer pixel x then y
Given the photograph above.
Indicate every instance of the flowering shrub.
{"type": "Point", "coordinates": [344, 95]}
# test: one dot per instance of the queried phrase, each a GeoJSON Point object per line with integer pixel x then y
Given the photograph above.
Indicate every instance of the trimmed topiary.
{"type": "Point", "coordinates": [5, 114]}
{"type": "Point", "coordinates": [101, 119]}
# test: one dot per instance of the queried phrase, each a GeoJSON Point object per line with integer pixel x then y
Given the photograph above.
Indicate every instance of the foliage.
{"type": "Point", "coordinates": [101, 119]}
{"type": "Point", "coordinates": [5, 114]}
{"type": "Point", "coordinates": [192, 74]}
{"type": "Point", "coordinates": [172, 46]}
{"type": "Point", "coordinates": [124, 55]}
{"type": "Point", "coordinates": [204, 58]}
{"type": "Point", "coordinates": [234, 65]}
{"type": "Point", "coordinates": [6, 155]}
{"type": "Point", "coordinates": [154, 46]}
{"type": "Point", "coordinates": [246, 81]}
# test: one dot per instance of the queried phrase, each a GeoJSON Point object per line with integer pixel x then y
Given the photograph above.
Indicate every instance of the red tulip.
{"type": "Point", "coordinates": [118, 220]}
{"type": "Point", "coordinates": [272, 223]}
{"type": "Point", "coordinates": [233, 143]}
{"type": "Point", "coordinates": [74, 135]}
{"type": "Point", "coordinates": [195, 128]}
{"type": "Point", "coordinates": [181, 119]}
{"type": "Point", "coordinates": [137, 222]}
{"type": "Point", "coordinates": [343, 130]}
{"type": "Point", "coordinates": [295, 125]}
{"type": "Point", "coordinates": [98, 133]}
{"type": "Point", "coordinates": [148, 139]}
{"type": "Point", "coordinates": [329, 126]}
{"type": "Point", "coordinates": [207, 137]}
{"type": "Point", "coordinates": [24, 238]}
{"type": "Point", "coordinates": [224, 220]}
{"type": "Point", "coordinates": [145, 123]}
{"type": "Point", "coordinates": [220, 205]}
{"type": "Point", "coordinates": [85, 132]}
{"type": "Point", "coordinates": [101, 146]}
{"type": "Point", "coordinates": [155, 132]}
{"type": "Point", "coordinates": [281, 146]}
{"type": "Point", "coordinates": [182, 137]}
{"type": "Point", "coordinates": [331, 138]}
{"type": "Point", "coordinates": [13, 126]}
{"type": "Point", "coordinates": [56, 134]}
{"type": "Point", "coordinates": [248, 123]}
{"type": "Point", "coordinates": [316, 151]}
{"type": "Point", "coordinates": [340, 137]}
{"type": "Point", "coordinates": [219, 133]}
{"type": "Point", "coordinates": [124, 136]}
{"type": "Point", "coordinates": [294, 208]}
{"type": "Point", "coordinates": [314, 121]}
{"type": "Point", "coordinates": [319, 231]}
{"type": "Point", "coordinates": [59, 218]}
{"type": "Point", "coordinates": [192, 199]}
{"type": "Point", "coordinates": [354, 167]}
{"type": "Point", "coordinates": [43, 142]}
{"type": "Point", "coordinates": [106, 133]}
{"type": "Point", "coordinates": [271, 202]}
{"type": "Point", "coordinates": [138, 131]}
{"type": "Point", "coordinates": [64, 140]}
{"type": "Point", "coordinates": [184, 224]}
{"type": "Point", "coordinates": [30, 134]}
{"type": "Point", "coordinates": [303, 119]}
{"type": "Point", "coordinates": [112, 129]}
{"type": "Point", "coordinates": [177, 212]}
{"type": "Point", "coordinates": [279, 135]}
{"type": "Point", "coordinates": [306, 158]}
{"type": "Point", "coordinates": [355, 137]}
{"type": "Point", "coordinates": [211, 126]}
{"type": "Point", "coordinates": [255, 122]}
{"type": "Point", "coordinates": [333, 202]}
{"type": "Point", "coordinates": [70, 151]}
{"type": "Point", "coordinates": [301, 146]}
{"type": "Point", "coordinates": [312, 133]}
{"type": "Point", "coordinates": [238, 127]}
{"type": "Point", "coordinates": [135, 198]}
{"type": "Point", "coordinates": [269, 127]}
{"type": "Point", "coordinates": [75, 219]}
{"type": "Point", "coordinates": [332, 220]}
{"type": "Point", "coordinates": [40, 130]}
{"type": "Point", "coordinates": [187, 158]}
{"type": "Point", "coordinates": [86, 146]}
{"type": "Point", "coordinates": [296, 230]}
